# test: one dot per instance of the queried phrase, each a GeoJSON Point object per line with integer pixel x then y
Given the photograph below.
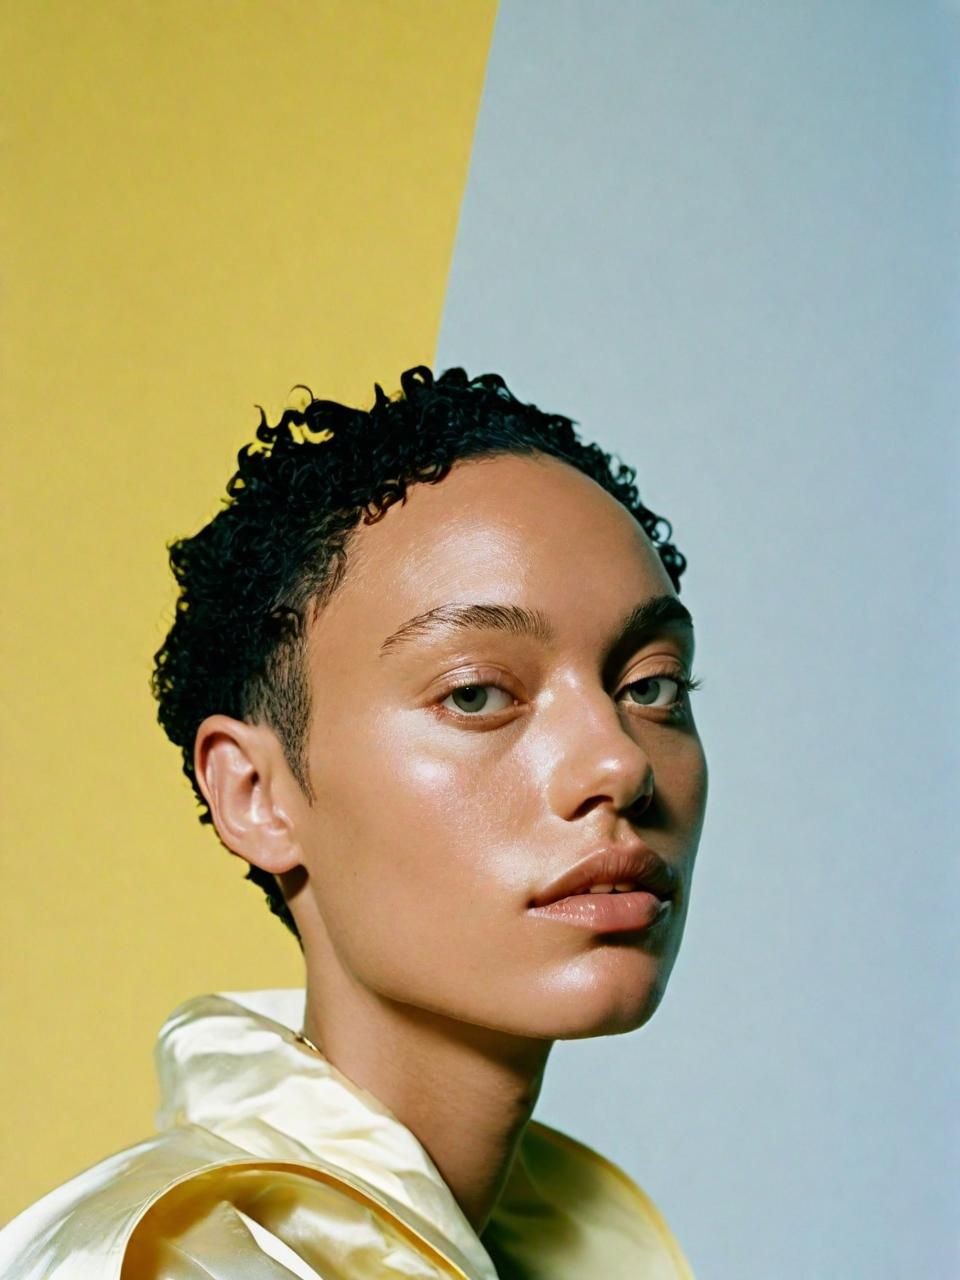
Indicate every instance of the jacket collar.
{"type": "Point", "coordinates": [232, 1063]}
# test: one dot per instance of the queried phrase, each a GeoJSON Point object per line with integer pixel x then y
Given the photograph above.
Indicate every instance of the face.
{"type": "Point", "coordinates": [458, 772]}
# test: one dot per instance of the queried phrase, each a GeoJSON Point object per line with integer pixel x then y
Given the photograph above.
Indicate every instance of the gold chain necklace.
{"type": "Point", "coordinates": [298, 1035]}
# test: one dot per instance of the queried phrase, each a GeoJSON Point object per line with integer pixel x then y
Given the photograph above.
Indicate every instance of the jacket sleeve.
{"type": "Point", "coordinates": [188, 1205]}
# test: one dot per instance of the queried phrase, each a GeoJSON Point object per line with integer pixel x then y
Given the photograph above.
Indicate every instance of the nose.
{"type": "Point", "coordinates": [599, 760]}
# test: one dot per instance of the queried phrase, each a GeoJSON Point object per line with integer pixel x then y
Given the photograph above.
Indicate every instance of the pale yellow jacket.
{"type": "Point", "coordinates": [269, 1164]}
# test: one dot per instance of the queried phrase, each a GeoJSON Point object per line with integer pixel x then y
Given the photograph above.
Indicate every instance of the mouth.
{"type": "Point", "coordinates": [614, 870]}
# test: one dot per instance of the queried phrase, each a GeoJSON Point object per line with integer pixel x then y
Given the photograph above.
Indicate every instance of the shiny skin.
{"type": "Point", "coordinates": [411, 871]}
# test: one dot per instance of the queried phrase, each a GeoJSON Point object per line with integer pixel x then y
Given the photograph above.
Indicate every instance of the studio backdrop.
{"type": "Point", "coordinates": [720, 236]}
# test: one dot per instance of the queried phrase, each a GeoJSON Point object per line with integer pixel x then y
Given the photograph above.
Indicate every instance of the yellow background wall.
{"type": "Point", "coordinates": [206, 203]}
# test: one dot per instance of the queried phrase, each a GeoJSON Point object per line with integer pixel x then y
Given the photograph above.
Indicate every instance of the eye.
{"type": "Point", "coordinates": [659, 689]}
{"type": "Point", "coordinates": [469, 699]}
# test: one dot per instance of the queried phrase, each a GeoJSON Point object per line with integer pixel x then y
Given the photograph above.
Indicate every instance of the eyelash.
{"type": "Point", "coordinates": [685, 685]}
{"type": "Point", "coordinates": [676, 709]}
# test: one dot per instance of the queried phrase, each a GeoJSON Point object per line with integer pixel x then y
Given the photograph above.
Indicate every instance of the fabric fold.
{"type": "Point", "coordinates": [270, 1163]}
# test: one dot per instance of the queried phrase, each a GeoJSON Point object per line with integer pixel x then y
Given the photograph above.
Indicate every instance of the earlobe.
{"type": "Point", "coordinates": [239, 768]}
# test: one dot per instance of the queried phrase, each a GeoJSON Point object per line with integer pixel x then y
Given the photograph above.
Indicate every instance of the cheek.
{"type": "Point", "coordinates": [405, 820]}
{"type": "Point", "coordinates": [681, 784]}
{"type": "Point", "coordinates": [698, 784]}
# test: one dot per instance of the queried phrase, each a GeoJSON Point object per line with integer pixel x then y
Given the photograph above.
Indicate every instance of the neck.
{"type": "Point", "coordinates": [466, 1092]}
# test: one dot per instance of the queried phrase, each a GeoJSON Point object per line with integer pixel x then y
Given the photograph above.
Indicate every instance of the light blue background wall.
{"type": "Point", "coordinates": [722, 236]}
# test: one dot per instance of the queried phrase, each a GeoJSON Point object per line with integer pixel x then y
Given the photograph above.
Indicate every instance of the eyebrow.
{"type": "Point", "coordinates": [648, 618]}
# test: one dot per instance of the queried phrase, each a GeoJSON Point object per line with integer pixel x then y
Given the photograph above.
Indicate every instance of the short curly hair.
{"type": "Point", "coordinates": [254, 576]}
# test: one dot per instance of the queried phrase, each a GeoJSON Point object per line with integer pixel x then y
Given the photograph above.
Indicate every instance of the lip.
{"type": "Point", "coordinates": [609, 912]}
{"type": "Point", "coordinates": [613, 864]}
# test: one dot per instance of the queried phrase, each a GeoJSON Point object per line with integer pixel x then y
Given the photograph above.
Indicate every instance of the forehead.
{"type": "Point", "coordinates": [508, 529]}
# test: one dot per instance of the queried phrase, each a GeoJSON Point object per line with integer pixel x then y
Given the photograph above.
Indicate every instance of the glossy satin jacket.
{"type": "Point", "coordinates": [269, 1163]}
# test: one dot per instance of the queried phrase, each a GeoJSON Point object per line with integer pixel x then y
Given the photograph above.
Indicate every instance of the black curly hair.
{"type": "Point", "coordinates": [253, 577]}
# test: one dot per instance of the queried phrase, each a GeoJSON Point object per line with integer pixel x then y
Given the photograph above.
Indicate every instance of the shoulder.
{"type": "Point", "coordinates": [186, 1199]}
{"type": "Point", "coordinates": [81, 1227]}
{"type": "Point", "coordinates": [572, 1207]}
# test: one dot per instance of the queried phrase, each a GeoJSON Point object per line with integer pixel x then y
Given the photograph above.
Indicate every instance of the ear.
{"type": "Point", "coordinates": [251, 792]}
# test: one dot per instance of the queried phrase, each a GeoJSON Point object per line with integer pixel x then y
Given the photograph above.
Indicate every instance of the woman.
{"type": "Point", "coordinates": [430, 677]}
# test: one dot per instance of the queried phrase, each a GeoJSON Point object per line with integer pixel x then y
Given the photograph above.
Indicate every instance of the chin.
{"type": "Point", "coordinates": [616, 1020]}
{"type": "Point", "coordinates": [615, 994]}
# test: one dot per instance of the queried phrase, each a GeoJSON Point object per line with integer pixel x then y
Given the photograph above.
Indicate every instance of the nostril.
{"type": "Point", "coordinates": [589, 805]}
